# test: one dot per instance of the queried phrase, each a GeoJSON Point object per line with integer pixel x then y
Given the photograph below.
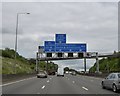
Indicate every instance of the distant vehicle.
{"type": "Point", "coordinates": [66, 72]}
{"type": "Point", "coordinates": [112, 81]}
{"type": "Point", "coordinates": [42, 74]}
{"type": "Point", "coordinates": [51, 72]}
{"type": "Point", "coordinates": [60, 72]}
{"type": "Point", "coordinates": [70, 72]}
{"type": "Point", "coordinates": [73, 73]}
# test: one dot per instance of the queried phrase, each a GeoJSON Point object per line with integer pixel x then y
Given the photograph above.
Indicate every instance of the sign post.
{"type": "Point", "coordinates": [37, 62]}
{"type": "Point", "coordinates": [85, 65]}
{"type": "Point", "coordinates": [97, 63]}
{"type": "Point", "coordinates": [47, 67]}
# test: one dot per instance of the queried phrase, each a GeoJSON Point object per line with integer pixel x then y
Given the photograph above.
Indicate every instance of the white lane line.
{"type": "Point", "coordinates": [48, 81]}
{"type": "Point", "coordinates": [17, 81]}
{"type": "Point", "coordinates": [91, 80]}
{"type": "Point", "coordinates": [73, 81]}
{"type": "Point", "coordinates": [84, 88]}
{"type": "Point", "coordinates": [43, 87]}
{"type": "Point", "coordinates": [38, 93]}
{"type": "Point", "coordinates": [94, 78]}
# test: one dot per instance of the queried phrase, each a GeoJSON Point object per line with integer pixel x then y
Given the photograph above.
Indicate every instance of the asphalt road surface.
{"type": "Point", "coordinates": [57, 85]}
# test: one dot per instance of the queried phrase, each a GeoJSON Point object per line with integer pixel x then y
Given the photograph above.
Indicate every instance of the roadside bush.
{"type": "Point", "coordinates": [8, 53]}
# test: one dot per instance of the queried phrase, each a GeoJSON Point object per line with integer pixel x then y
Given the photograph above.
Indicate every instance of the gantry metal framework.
{"type": "Point", "coordinates": [41, 56]}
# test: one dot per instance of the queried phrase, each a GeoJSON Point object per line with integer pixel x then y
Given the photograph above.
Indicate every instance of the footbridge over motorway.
{"type": "Point", "coordinates": [67, 56]}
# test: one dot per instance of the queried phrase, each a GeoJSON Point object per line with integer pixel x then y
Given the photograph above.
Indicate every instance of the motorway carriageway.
{"type": "Point", "coordinates": [57, 85]}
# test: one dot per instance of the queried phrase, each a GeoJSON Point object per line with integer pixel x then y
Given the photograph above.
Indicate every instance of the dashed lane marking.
{"type": "Point", "coordinates": [85, 88]}
{"type": "Point", "coordinates": [91, 80]}
{"type": "Point", "coordinates": [43, 87]}
{"type": "Point", "coordinates": [38, 93]}
{"type": "Point", "coordinates": [73, 81]}
{"type": "Point", "coordinates": [48, 81]}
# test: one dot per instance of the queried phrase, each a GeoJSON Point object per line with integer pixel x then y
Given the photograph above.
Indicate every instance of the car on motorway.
{"type": "Point", "coordinates": [66, 72]}
{"type": "Point", "coordinates": [42, 74]}
{"type": "Point", "coordinates": [73, 73]}
{"type": "Point", "coordinates": [112, 81]}
{"type": "Point", "coordinates": [51, 72]}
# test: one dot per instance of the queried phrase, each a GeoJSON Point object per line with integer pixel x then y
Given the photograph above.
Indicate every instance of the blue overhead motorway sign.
{"type": "Point", "coordinates": [60, 45]}
{"type": "Point", "coordinates": [49, 46]}
{"type": "Point", "coordinates": [60, 38]}
{"type": "Point", "coordinates": [41, 49]}
{"type": "Point", "coordinates": [70, 48]}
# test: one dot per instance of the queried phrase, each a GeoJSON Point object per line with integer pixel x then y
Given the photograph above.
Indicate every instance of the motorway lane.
{"type": "Point", "coordinates": [57, 85]}
{"type": "Point", "coordinates": [31, 86]}
{"type": "Point", "coordinates": [62, 85]}
{"type": "Point", "coordinates": [92, 84]}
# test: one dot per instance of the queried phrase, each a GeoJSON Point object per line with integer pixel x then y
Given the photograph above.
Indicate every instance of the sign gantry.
{"type": "Point", "coordinates": [61, 50]}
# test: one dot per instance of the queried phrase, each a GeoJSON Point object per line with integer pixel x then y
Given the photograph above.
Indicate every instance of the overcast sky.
{"type": "Point", "coordinates": [60, 0]}
{"type": "Point", "coordinates": [93, 23]}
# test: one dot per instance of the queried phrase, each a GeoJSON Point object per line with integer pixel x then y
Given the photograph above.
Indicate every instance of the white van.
{"type": "Point", "coordinates": [60, 72]}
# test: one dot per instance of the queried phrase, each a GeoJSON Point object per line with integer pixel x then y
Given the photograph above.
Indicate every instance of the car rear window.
{"type": "Point", "coordinates": [118, 75]}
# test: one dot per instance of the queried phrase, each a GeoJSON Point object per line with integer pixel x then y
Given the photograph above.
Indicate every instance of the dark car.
{"type": "Point", "coordinates": [51, 72]}
{"type": "Point", "coordinates": [42, 74]}
{"type": "Point", "coordinates": [112, 81]}
{"type": "Point", "coordinates": [73, 73]}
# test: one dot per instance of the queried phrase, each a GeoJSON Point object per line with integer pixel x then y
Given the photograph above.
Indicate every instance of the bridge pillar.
{"type": "Point", "coordinates": [85, 65]}
{"type": "Point", "coordinates": [97, 63]}
{"type": "Point", "coordinates": [37, 62]}
{"type": "Point", "coordinates": [47, 67]}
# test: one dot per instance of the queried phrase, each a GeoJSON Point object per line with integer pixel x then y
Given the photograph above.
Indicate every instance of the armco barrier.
{"type": "Point", "coordinates": [103, 75]}
{"type": "Point", "coordinates": [13, 77]}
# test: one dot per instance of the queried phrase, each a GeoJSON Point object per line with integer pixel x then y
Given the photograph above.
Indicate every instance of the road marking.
{"type": "Point", "coordinates": [84, 88]}
{"type": "Point", "coordinates": [38, 93]}
{"type": "Point", "coordinates": [91, 80]}
{"type": "Point", "coordinates": [73, 81]}
{"type": "Point", "coordinates": [17, 81]}
{"type": "Point", "coordinates": [43, 87]}
{"type": "Point", "coordinates": [94, 78]}
{"type": "Point", "coordinates": [48, 81]}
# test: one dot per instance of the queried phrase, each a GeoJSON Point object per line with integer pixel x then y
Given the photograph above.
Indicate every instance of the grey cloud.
{"type": "Point", "coordinates": [119, 26]}
{"type": "Point", "coordinates": [60, 1]}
